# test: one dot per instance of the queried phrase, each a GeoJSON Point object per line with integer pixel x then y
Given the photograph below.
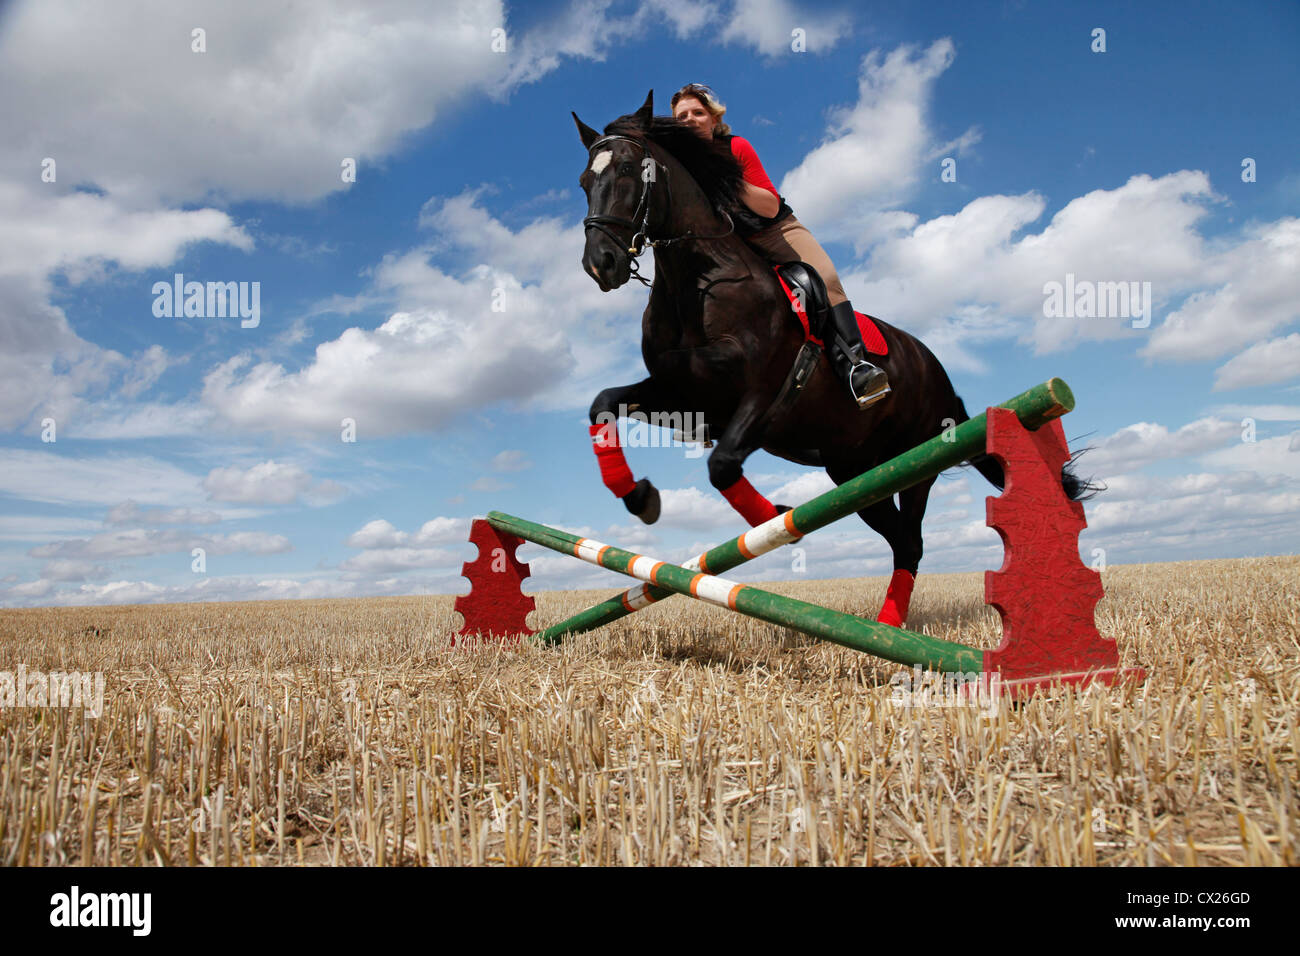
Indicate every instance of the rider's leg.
{"type": "Point", "coordinates": [789, 239]}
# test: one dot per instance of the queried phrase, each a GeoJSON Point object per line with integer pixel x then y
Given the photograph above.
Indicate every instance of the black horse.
{"type": "Point", "coordinates": [719, 338]}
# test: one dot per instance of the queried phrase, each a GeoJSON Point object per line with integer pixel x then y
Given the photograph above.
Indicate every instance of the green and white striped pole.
{"type": "Point", "coordinates": [891, 643]}
{"type": "Point", "coordinates": [1034, 408]}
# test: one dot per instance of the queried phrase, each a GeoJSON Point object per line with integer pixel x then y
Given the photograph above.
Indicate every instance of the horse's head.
{"type": "Point", "coordinates": [618, 178]}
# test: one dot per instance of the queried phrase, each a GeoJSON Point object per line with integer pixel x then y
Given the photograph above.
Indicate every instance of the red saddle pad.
{"type": "Point", "coordinates": [871, 337]}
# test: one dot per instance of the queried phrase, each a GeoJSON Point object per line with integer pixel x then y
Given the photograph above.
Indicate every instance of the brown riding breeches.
{"type": "Point", "coordinates": [789, 240]}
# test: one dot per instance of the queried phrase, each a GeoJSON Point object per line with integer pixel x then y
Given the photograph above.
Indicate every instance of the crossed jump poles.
{"type": "Point", "coordinates": [1043, 592]}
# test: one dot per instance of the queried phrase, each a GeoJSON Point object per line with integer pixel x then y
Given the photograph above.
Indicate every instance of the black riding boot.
{"type": "Point", "coordinates": [867, 383]}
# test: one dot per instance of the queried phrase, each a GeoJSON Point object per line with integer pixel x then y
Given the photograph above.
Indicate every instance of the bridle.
{"type": "Point", "coordinates": [641, 231]}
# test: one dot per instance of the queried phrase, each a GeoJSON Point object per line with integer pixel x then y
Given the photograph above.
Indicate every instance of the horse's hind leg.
{"type": "Point", "coordinates": [640, 497]}
{"type": "Point", "coordinates": [900, 525]}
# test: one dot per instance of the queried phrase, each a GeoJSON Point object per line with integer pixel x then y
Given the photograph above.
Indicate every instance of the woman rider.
{"type": "Point", "coordinates": [774, 231]}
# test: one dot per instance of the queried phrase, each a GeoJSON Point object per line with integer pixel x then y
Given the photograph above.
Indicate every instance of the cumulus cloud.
{"type": "Point", "coordinates": [874, 150]}
{"type": "Point", "coordinates": [267, 483]}
{"type": "Point", "coordinates": [693, 508]}
{"type": "Point", "coordinates": [529, 325]}
{"type": "Point", "coordinates": [1199, 519]}
{"type": "Point", "coordinates": [1264, 363]}
{"type": "Point", "coordinates": [379, 534]}
{"type": "Point", "coordinates": [976, 276]}
{"type": "Point", "coordinates": [1138, 445]}
{"type": "Point", "coordinates": [47, 369]}
{"type": "Point", "coordinates": [386, 550]}
{"type": "Point", "coordinates": [685, 16]}
{"type": "Point", "coordinates": [288, 91]}
{"type": "Point", "coordinates": [1266, 456]}
{"type": "Point", "coordinates": [1254, 290]}
{"type": "Point", "coordinates": [768, 26]}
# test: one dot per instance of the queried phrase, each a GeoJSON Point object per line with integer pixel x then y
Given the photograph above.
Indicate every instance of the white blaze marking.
{"type": "Point", "coordinates": [601, 161]}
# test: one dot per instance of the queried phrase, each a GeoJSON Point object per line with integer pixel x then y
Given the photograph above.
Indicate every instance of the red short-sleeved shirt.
{"type": "Point", "coordinates": [750, 165]}
{"type": "Point", "coordinates": [748, 221]}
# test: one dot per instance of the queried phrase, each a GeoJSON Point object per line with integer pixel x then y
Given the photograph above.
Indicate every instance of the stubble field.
{"type": "Point", "coordinates": [349, 732]}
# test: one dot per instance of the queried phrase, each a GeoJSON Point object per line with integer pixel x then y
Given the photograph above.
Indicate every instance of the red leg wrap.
{"type": "Point", "coordinates": [752, 506]}
{"type": "Point", "coordinates": [897, 598]}
{"type": "Point", "coordinates": [614, 471]}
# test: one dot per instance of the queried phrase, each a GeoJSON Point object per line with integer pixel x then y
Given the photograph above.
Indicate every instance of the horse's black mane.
{"type": "Point", "coordinates": [709, 162]}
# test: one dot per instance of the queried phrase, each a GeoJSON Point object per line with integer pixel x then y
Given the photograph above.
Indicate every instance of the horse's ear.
{"type": "Point", "coordinates": [588, 134]}
{"type": "Point", "coordinates": [644, 114]}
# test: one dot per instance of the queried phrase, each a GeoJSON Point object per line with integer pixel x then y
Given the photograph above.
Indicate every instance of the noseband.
{"type": "Point", "coordinates": [641, 230]}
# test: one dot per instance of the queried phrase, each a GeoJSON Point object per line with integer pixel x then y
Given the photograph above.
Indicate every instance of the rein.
{"type": "Point", "coordinates": [641, 231]}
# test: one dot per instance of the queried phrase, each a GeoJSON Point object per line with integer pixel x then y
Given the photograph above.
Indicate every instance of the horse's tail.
{"type": "Point", "coordinates": [1075, 487]}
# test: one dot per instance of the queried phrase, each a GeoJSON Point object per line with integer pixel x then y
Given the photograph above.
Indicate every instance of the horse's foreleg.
{"type": "Point", "coordinates": [741, 439]}
{"type": "Point", "coordinates": [639, 497]}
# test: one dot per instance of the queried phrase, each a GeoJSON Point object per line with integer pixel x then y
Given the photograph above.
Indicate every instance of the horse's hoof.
{"type": "Point", "coordinates": [643, 501]}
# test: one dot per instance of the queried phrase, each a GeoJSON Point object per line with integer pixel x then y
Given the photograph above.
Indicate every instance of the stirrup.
{"type": "Point", "coordinates": [875, 394]}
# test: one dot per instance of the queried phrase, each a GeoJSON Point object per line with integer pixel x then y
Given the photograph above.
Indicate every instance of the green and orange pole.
{"type": "Point", "coordinates": [881, 640]}
{"type": "Point", "coordinates": [1035, 408]}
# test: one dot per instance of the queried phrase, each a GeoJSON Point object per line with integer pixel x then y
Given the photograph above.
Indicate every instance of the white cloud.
{"type": "Point", "coordinates": [44, 527]}
{"type": "Point", "coordinates": [148, 368]}
{"type": "Point", "coordinates": [390, 560]}
{"type": "Point", "coordinates": [768, 25]}
{"type": "Point", "coordinates": [266, 483]}
{"type": "Point", "coordinates": [380, 534]}
{"type": "Point", "coordinates": [1267, 456]}
{"type": "Point", "coordinates": [1254, 290]}
{"type": "Point", "coordinates": [874, 150]}
{"type": "Point", "coordinates": [59, 479]}
{"type": "Point", "coordinates": [1266, 413]}
{"type": "Point", "coordinates": [1264, 363]}
{"type": "Point", "coordinates": [130, 512]}
{"type": "Point", "coordinates": [975, 276]}
{"type": "Point", "coordinates": [687, 17]}
{"type": "Point", "coordinates": [541, 331]}
{"type": "Point", "coordinates": [693, 508]}
{"type": "Point", "coordinates": [47, 369]}
{"type": "Point", "coordinates": [142, 542]}
{"type": "Point", "coordinates": [211, 588]}
{"type": "Point", "coordinates": [108, 420]}
{"type": "Point", "coordinates": [512, 459]}
{"type": "Point", "coordinates": [1142, 443]}
{"type": "Point", "coordinates": [799, 489]}
{"type": "Point", "coordinates": [287, 90]}
{"type": "Point", "coordinates": [65, 570]}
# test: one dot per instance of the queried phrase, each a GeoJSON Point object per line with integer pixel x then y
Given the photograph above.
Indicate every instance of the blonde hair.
{"type": "Point", "coordinates": [711, 103]}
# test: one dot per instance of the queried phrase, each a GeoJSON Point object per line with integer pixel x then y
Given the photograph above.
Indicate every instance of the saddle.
{"type": "Point", "coordinates": [806, 290]}
{"type": "Point", "coordinates": [816, 308]}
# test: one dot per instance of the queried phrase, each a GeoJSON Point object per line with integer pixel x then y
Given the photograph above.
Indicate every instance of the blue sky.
{"type": "Point", "coordinates": [376, 296]}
